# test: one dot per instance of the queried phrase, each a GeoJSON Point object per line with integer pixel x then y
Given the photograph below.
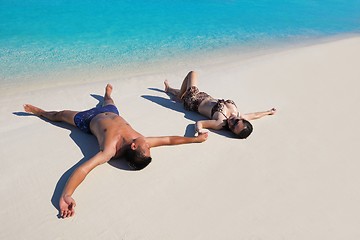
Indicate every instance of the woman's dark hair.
{"type": "Point", "coordinates": [248, 128]}
{"type": "Point", "coordinates": [137, 159]}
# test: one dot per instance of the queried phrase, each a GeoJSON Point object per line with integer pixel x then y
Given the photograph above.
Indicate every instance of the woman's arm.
{"type": "Point", "coordinates": [208, 124]}
{"type": "Point", "coordinates": [66, 202]}
{"type": "Point", "coordinates": [257, 115]}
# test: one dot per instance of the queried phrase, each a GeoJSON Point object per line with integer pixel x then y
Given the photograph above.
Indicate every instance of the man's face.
{"type": "Point", "coordinates": [143, 145]}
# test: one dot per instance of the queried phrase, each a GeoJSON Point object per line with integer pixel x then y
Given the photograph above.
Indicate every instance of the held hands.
{"type": "Point", "coordinates": [202, 134]}
{"type": "Point", "coordinates": [202, 137]}
{"type": "Point", "coordinates": [199, 129]}
{"type": "Point", "coordinates": [67, 206]}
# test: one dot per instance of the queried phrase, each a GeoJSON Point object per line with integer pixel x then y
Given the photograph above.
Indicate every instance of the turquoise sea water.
{"type": "Point", "coordinates": [43, 35]}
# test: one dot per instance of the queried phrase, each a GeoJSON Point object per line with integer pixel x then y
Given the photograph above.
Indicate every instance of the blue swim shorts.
{"type": "Point", "coordinates": [82, 119]}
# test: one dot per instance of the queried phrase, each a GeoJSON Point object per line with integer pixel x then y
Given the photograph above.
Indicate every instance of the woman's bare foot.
{"type": "Point", "coordinates": [166, 83]}
{"type": "Point", "coordinates": [32, 109]}
{"type": "Point", "coordinates": [174, 92]}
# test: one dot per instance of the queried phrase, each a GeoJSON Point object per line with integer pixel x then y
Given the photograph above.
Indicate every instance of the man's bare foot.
{"type": "Point", "coordinates": [32, 109]}
{"type": "Point", "coordinates": [108, 90]}
{"type": "Point", "coordinates": [166, 83]}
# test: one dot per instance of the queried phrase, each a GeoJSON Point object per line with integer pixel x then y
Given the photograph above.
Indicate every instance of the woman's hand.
{"type": "Point", "coordinates": [272, 111]}
{"type": "Point", "coordinates": [199, 128]}
{"type": "Point", "coordinates": [201, 131]}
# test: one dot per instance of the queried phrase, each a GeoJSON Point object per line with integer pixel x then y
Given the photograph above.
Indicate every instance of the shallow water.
{"type": "Point", "coordinates": [38, 36]}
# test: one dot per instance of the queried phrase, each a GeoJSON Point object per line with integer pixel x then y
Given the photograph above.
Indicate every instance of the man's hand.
{"type": "Point", "coordinates": [67, 206]}
{"type": "Point", "coordinates": [202, 137]}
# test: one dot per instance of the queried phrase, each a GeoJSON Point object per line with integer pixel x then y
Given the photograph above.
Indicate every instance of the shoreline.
{"type": "Point", "coordinates": [195, 60]}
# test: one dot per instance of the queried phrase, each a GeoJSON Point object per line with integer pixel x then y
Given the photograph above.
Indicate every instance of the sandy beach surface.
{"type": "Point", "coordinates": [296, 177]}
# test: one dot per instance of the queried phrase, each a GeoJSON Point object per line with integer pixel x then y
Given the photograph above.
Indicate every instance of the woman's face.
{"type": "Point", "coordinates": [236, 125]}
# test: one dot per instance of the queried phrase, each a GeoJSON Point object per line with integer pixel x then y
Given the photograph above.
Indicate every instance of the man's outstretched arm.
{"type": "Point", "coordinates": [66, 202]}
{"type": "Point", "coordinates": [175, 140]}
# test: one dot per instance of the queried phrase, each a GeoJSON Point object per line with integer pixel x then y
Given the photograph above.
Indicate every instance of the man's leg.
{"type": "Point", "coordinates": [189, 81]}
{"type": "Point", "coordinates": [56, 116]}
{"type": "Point", "coordinates": [107, 97]}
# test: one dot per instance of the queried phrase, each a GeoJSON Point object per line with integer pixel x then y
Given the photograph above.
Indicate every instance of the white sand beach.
{"type": "Point", "coordinates": [296, 177]}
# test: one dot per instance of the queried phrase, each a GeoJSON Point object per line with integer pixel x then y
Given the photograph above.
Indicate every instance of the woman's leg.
{"type": "Point", "coordinates": [56, 116]}
{"type": "Point", "coordinates": [189, 81]}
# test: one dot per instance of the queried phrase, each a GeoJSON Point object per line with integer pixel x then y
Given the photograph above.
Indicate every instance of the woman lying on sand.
{"type": "Point", "coordinates": [223, 114]}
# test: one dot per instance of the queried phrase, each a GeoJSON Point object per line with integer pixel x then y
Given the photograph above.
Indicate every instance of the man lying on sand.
{"type": "Point", "coordinates": [116, 138]}
{"type": "Point", "coordinates": [223, 114]}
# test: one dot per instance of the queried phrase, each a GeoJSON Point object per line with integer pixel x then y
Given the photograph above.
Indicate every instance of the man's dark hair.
{"type": "Point", "coordinates": [137, 159]}
{"type": "Point", "coordinates": [248, 128]}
